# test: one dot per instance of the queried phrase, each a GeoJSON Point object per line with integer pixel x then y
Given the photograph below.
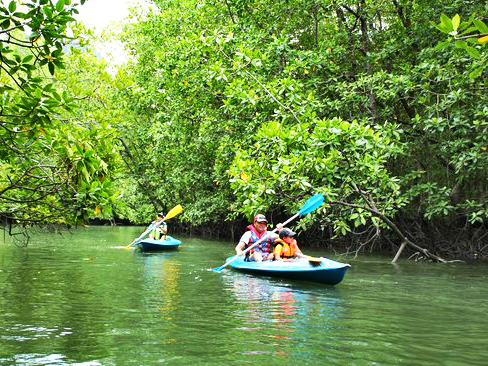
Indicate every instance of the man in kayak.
{"type": "Point", "coordinates": [254, 233]}
{"type": "Point", "coordinates": [160, 230]}
{"type": "Point", "coordinates": [286, 247]}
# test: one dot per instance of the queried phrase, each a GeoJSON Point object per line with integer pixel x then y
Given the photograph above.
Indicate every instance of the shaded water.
{"type": "Point", "coordinates": [81, 299]}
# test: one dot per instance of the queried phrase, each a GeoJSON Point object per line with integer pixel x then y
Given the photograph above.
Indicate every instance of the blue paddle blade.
{"type": "Point", "coordinates": [217, 269]}
{"type": "Point", "coordinates": [312, 203]}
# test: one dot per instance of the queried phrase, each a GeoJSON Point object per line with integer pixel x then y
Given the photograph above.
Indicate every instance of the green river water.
{"type": "Point", "coordinates": [81, 299]}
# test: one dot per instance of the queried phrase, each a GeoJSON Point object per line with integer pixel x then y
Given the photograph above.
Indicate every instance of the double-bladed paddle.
{"type": "Point", "coordinates": [311, 204]}
{"type": "Point", "coordinates": [172, 213]}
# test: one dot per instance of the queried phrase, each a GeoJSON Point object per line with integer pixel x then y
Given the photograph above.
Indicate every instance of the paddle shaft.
{"type": "Point", "coordinates": [151, 227]}
{"type": "Point", "coordinates": [256, 243]}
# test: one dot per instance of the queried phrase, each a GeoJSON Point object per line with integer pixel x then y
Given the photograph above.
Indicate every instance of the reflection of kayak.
{"type": "Point", "coordinates": [151, 245]}
{"type": "Point", "coordinates": [326, 271]}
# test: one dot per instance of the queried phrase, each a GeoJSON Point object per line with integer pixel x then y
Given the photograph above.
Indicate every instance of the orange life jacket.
{"type": "Point", "coordinates": [287, 251]}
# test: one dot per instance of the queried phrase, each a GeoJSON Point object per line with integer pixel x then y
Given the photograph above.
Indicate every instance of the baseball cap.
{"type": "Point", "coordinates": [260, 218]}
{"type": "Point", "coordinates": [285, 232]}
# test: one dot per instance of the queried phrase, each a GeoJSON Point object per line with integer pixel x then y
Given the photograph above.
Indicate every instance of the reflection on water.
{"type": "Point", "coordinates": [278, 313]}
{"type": "Point", "coordinates": [81, 299]}
{"type": "Point", "coordinates": [53, 359]}
{"type": "Point", "coordinates": [161, 277]}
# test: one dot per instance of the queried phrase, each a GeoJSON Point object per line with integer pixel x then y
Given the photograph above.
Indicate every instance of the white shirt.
{"type": "Point", "coordinates": [247, 235]}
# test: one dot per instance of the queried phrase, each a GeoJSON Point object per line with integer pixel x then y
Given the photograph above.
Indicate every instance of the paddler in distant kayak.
{"type": "Point", "coordinates": [254, 232]}
{"type": "Point", "coordinates": [160, 230]}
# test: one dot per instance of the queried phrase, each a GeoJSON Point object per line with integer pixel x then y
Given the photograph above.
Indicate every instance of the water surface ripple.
{"type": "Point", "coordinates": [81, 299]}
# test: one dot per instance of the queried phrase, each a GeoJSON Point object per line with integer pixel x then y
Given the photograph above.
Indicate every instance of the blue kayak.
{"type": "Point", "coordinates": [152, 245]}
{"type": "Point", "coordinates": [321, 270]}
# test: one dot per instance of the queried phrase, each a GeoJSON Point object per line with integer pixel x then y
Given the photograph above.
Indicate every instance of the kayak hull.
{"type": "Point", "coordinates": [326, 271]}
{"type": "Point", "coordinates": [152, 245]}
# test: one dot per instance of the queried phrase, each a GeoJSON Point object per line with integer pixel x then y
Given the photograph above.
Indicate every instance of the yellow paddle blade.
{"type": "Point", "coordinates": [314, 259]}
{"type": "Point", "coordinates": [173, 212]}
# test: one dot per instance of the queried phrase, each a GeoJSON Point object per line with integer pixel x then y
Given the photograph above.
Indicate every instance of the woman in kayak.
{"type": "Point", "coordinates": [160, 230]}
{"type": "Point", "coordinates": [286, 247]}
{"type": "Point", "coordinates": [255, 232]}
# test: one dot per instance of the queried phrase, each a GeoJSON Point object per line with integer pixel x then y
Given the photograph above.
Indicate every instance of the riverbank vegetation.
{"type": "Point", "coordinates": [232, 108]}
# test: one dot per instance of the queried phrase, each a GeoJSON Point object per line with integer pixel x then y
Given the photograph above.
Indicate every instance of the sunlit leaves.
{"type": "Point", "coordinates": [56, 154]}
{"type": "Point", "coordinates": [335, 157]}
{"type": "Point", "coordinates": [480, 26]}
{"type": "Point", "coordinates": [475, 32]}
{"type": "Point", "coordinates": [245, 90]}
{"type": "Point", "coordinates": [446, 25]}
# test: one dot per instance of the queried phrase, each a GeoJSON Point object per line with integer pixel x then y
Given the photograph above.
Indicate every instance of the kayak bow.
{"type": "Point", "coordinates": [152, 245]}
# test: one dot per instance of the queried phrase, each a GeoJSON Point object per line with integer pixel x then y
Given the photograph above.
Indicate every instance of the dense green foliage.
{"type": "Point", "coordinates": [55, 162]}
{"type": "Point", "coordinates": [236, 107]}
{"type": "Point", "coordinates": [272, 101]}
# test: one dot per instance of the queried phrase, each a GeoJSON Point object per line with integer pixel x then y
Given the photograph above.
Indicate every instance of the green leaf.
{"type": "Point", "coordinates": [56, 95]}
{"type": "Point", "coordinates": [20, 15]}
{"type": "Point", "coordinates": [476, 73]}
{"type": "Point", "coordinates": [51, 68]}
{"type": "Point", "coordinates": [473, 52]}
{"type": "Point", "coordinates": [447, 23]}
{"type": "Point", "coordinates": [6, 24]}
{"type": "Point", "coordinates": [60, 5]}
{"type": "Point", "coordinates": [469, 30]}
{"type": "Point", "coordinates": [482, 27]}
{"type": "Point", "coordinates": [12, 6]}
{"type": "Point", "coordinates": [5, 88]}
{"type": "Point", "coordinates": [442, 45]}
{"type": "Point", "coordinates": [440, 27]}
{"type": "Point", "coordinates": [455, 22]}
{"type": "Point", "coordinates": [47, 11]}
{"type": "Point", "coordinates": [461, 44]}
{"type": "Point", "coordinates": [27, 58]}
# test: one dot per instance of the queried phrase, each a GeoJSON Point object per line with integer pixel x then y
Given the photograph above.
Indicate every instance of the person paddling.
{"type": "Point", "coordinates": [160, 230]}
{"type": "Point", "coordinates": [254, 232]}
{"type": "Point", "coordinates": [286, 247]}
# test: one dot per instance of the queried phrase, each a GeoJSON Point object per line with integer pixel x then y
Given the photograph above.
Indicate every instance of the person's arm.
{"type": "Point", "coordinates": [240, 248]}
{"type": "Point", "coordinates": [151, 233]}
{"type": "Point", "coordinates": [277, 252]}
{"type": "Point", "coordinates": [298, 252]}
{"type": "Point", "coordinates": [242, 242]}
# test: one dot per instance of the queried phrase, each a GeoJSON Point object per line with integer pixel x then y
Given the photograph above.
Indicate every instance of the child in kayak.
{"type": "Point", "coordinates": [285, 247]}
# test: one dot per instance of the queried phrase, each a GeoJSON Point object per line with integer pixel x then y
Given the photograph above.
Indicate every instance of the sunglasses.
{"type": "Point", "coordinates": [262, 222]}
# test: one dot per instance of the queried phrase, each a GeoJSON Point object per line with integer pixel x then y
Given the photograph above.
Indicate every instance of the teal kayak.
{"type": "Point", "coordinates": [321, 270]}
{"type": "Point", "coordinates": [152, 245]}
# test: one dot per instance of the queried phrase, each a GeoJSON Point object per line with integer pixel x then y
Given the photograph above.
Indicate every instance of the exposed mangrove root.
{"type": "Point", "coordinates": [400, 250]}
{"type": "Point", "coordinates": [394, 228]}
